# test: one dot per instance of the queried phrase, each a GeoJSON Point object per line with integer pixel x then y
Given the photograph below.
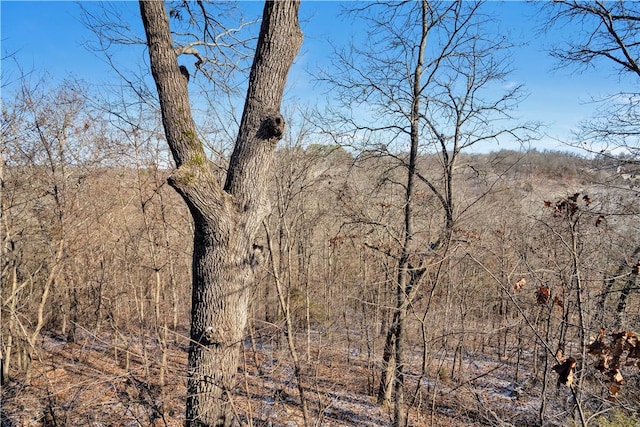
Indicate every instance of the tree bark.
{"type": "Point", "coordinates": [226, 220]}
{"type": "Point", "coordinates": [629, 285]}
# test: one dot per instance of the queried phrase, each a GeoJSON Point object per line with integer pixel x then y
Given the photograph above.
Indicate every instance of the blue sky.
{"type": "Point", "coordinates": [50, 36]}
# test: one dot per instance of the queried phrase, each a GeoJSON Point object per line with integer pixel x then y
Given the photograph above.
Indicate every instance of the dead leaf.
{"type": "Point", "coordinates": [542, 295]}
{"type": "Point", "coordinates": [603, 363]}
{"type": "Point", "coordinates": [557, 301]}
{"type": "Point", "coordinates": [598, 346]}
{"type": "Point", "coordinates": [618, 346]}
{"type": "Point", "coordinates": [565, 371]}
{"type": "Point", "coordinates": [519, 284]}
{"type": "Point", "coordinates": [616, 376]}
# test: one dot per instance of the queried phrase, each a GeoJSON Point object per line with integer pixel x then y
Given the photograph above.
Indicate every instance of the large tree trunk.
{"type": "Point", "coordinates": [226, 220]}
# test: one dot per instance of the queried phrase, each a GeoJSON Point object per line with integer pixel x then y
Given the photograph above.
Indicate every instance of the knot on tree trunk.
{"type": "Point", "coordinates": [185, 72]}
{"type": "Point", "coordinates": [210, 337]}
{"type": "Point", "coordinates": [271, 127]}
{"type": "Point", "coordinates": [257, 255]}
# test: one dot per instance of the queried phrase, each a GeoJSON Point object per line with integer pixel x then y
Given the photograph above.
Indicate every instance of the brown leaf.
{"type": "Point", "coordinates": [573, 209]}
{"type": "Point", "coordinates": [616, 376]}
{"type": "Point", "coordinates": [603, 363]}
{"type": "Point", "coordinates": [614, 364]}
{"type": "Point", "coordinates": [542, 295]}
{"type": "Point", "coordinates": [519, 284]}
{"type": "Point", "coordinates": [565, 371]}
{"type": "Point", "coordinates": [557, 301]}
{"type": "Point", "coordinates": [618, 346]}
{"type": "Point", "coordinates": [560, 205]}
{"type": "Point", "coordinates": [614, 390]}
{"type": "Point", "coordinates": [598, 346]}
{"type": "Point", "coordinates": [632, 338]}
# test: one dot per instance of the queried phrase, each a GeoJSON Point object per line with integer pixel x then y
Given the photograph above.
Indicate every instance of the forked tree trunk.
{"type": "Point", "coordinates": [226, 220]}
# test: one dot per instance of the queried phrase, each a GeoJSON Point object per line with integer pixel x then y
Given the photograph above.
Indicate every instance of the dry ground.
{"type": "Point", "coordinates": [88, 383]}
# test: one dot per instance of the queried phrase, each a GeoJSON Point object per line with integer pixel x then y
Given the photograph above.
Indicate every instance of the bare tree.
{"type": "Point", "coordinates": [51, 146]}
{"type": "Point", "coordinates": [605, 34]}
{"type": "Point", "coordinates": [226, 218]}
{"type": "Point", "coordinates": [422, 79]}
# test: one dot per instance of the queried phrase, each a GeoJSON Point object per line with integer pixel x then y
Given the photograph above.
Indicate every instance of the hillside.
{"type": "Point", "coordinates": [544, 253]}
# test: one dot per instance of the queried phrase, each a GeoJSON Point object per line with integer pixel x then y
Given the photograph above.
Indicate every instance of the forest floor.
{"type": "Point", "coordinates": [98, 382]}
